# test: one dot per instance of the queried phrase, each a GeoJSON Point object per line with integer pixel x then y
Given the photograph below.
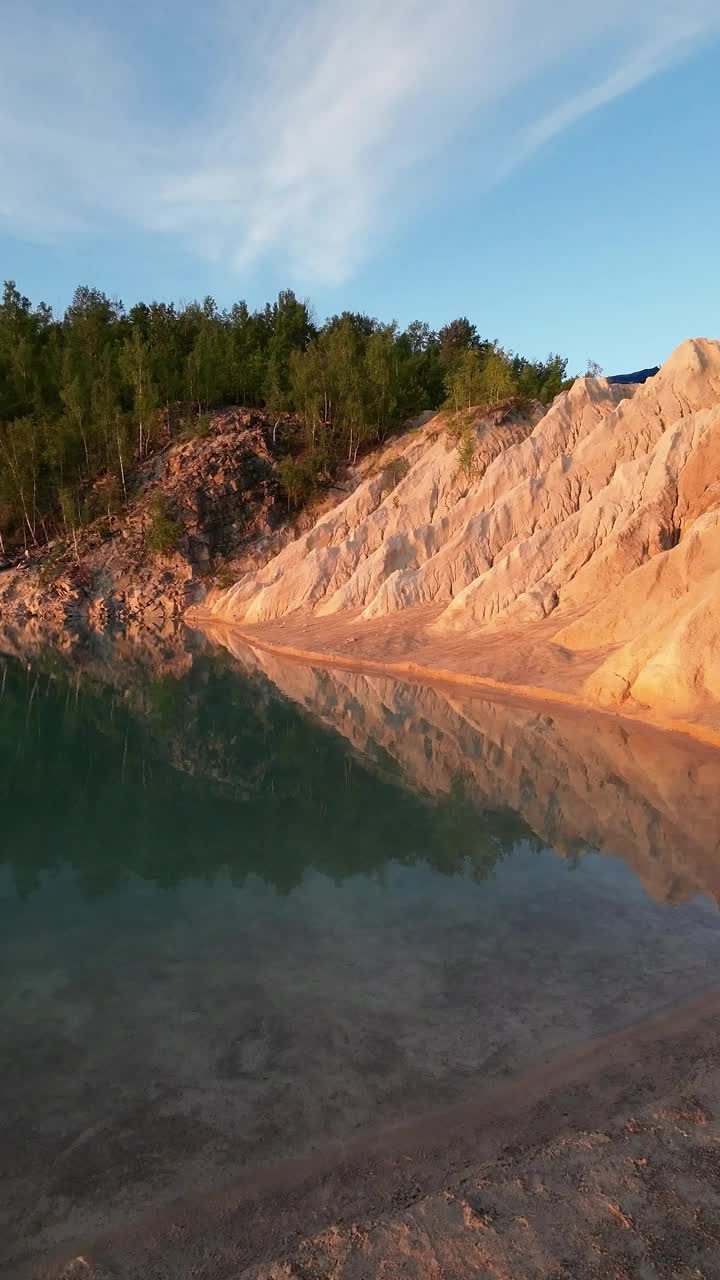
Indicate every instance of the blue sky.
{"type": "Point", "coordinates": [547, 167]}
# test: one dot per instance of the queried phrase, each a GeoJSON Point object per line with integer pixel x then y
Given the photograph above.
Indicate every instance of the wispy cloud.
{"type": "Point", "coordinates": [306, 131]}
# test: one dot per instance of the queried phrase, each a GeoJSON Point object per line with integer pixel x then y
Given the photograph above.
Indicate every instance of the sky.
{"type": "Point", "coordinates": [547, 167]}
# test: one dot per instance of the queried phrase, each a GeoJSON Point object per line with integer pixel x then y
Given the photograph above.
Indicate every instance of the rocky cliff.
{"type": "Point", "coordinates": [594, 525]}
{"type": "Point", "coordinates": [192, 510]}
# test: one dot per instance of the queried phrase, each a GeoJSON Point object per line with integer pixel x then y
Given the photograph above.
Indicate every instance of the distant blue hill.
{"type": "Point", "coordinates": [641, 376]}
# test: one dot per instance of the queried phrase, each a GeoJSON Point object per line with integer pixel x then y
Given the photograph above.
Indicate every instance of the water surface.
{"type": "Point", "coordinates": [248, 908]}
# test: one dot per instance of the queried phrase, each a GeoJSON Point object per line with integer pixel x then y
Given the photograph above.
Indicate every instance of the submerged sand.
{"type": "Point", "coordinates": [599, 1165]}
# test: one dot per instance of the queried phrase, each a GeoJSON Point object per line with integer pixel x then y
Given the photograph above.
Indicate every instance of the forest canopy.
{"type": "Point", "coordinates": [92, 393]}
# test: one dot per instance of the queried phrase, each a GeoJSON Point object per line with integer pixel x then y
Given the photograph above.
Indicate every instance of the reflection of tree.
{"type": "Point", "coordinates": [209, 773]}
{"type": "Point", "coordinates": [469, 838]}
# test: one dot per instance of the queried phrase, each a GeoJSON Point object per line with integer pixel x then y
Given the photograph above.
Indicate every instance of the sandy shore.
{"type": "Point", "coordinates": [523, 664]}
{"type": "Point", "coordinates": [600, 1163]}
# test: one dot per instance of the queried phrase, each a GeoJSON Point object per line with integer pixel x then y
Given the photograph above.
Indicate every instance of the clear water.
{"type": "Point", "coordinates": [247, 909]}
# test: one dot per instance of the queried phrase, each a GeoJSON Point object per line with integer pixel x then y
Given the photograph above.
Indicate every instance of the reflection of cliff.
{"type": "Point", "coordinates": [170, 766]}
{"type": "Point", "coordinates": [177, 738]}
{"type": "Point", "coordinates": [578, 781]}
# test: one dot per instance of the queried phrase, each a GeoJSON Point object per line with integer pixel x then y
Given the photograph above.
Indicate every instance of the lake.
{"type": "Point", "coordinates": [249, 909]}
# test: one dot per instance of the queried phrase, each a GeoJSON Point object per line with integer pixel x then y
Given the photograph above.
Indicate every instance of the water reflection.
{"type": "Point", "coordinates": [170, 778]}
{"type": "Point", "coordinates": [579, 782]}
{"type": "Point", "coordinates": [130, 763]}
{"type": "Point", "coordinates": [247, 908]}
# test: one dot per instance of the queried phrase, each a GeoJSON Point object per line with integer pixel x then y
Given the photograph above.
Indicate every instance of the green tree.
{"type": "Point", "coordinates": [136, 365]}
{"type": "Point", "coordinates": [464, 383]}
{"type": "Point", "coordinates": [84, 397]}
{"type": "Point", "coordinates": [466, 450]}
{"type": "Point", "coordinates": [163, 531]}
{"type": "Point", "coordinates": [382, 362]}
{"type": "Point", "coordinates": [291, 329]}
{"type": "Point", "coordinates": [497, 380]}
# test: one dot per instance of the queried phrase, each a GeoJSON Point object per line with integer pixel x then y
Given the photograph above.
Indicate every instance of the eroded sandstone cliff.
{"type": "Point", "coordinates": [599, 521]}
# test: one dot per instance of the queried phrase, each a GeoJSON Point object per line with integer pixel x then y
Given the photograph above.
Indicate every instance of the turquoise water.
{"type": "Point", "coordinates": [247, 909]}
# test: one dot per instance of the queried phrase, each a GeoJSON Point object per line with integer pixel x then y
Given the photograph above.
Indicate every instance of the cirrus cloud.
{"type": "Point", "coordinates": [301, 133]}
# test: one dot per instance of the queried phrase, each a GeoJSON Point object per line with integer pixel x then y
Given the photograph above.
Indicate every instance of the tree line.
{"type": "Point", "coordinates": [92, 393]}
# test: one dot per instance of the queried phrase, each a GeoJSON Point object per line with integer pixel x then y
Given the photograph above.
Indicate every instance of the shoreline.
{"type": "Point", "coordinates": [418, 673]}
{"type": "Point", "coordinates": [594, 1095]}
